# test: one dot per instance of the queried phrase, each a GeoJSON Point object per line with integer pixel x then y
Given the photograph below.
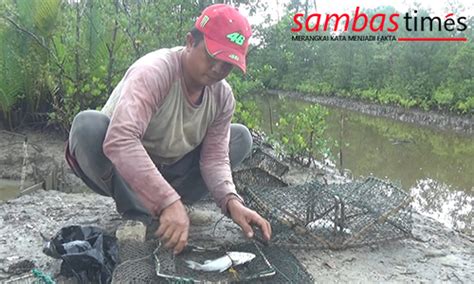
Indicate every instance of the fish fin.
{"type": "Point", "coordinates": [207, 261]}
{"type": "Point", "coordinates": [193, 265]}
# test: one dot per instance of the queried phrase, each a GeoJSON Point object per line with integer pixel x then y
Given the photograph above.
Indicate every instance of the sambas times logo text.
{"type": "Point", "coordinates": [361, 26]}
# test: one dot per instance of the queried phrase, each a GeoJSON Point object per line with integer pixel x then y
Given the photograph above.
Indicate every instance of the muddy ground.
{"type": "Point", "coordinates": [435, 254]}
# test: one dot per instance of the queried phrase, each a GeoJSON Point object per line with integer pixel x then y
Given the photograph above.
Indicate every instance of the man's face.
{"type": "Point", "coordinates": [204, 69]}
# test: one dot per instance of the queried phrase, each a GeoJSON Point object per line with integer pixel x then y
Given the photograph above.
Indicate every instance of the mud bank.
{"type": "Point", "coordinates": [459, 124]}
{"type": "Point", "coordinates": [439, 254]}
{"type": "Point", "coordinates": [44, 160]}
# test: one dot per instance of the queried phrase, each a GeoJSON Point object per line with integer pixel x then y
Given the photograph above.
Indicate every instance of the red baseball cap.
{"type": "Point", "coordinates": [226, 33]}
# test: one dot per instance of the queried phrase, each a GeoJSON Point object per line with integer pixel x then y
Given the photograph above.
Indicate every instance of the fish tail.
{"type": "Point", "coordinates": [193, 265]}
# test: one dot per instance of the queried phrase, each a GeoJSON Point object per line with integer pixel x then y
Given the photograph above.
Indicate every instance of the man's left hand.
{"type": "Point", "coordinates": [245, 218]}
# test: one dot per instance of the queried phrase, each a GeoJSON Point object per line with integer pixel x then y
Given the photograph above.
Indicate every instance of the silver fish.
{"type": "Point", "coordinates": [232, 258]}
{"type": "Point", "coordinates": [322, 224]}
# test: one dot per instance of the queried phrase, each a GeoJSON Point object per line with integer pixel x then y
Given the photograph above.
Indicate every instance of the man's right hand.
{"type": "Point", "coordinates": [174, 227]}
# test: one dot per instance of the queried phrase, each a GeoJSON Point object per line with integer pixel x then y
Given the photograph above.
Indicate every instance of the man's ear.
{"type": "Point", "coordinates": [189, 40]}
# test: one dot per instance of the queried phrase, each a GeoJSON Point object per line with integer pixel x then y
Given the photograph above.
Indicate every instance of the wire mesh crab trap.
{"type": "Point", "coordinates": [174, 268]}
{"type": "Point", "coordinates": [270, 265]}
{"type": "Point", "coordinates": [333, 216]}
{"type": "Point", "coordinates": [260, 169]}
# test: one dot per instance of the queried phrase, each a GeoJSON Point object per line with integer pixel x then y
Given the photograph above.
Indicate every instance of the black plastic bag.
{"type": "Point", "coordinates": [88, 253]}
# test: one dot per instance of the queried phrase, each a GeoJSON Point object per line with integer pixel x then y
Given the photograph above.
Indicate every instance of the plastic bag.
{"type": "Point", "coordinates": [88, 253]}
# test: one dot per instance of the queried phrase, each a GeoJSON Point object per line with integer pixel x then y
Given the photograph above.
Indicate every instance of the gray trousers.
{"type": "Point", "coordinates": [85, 143]}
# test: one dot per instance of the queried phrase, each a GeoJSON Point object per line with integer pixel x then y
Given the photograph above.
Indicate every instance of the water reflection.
{"type": "Point", "coordinates": [405, 152]}
{"type": "Point", "coordinates": [439, 201]}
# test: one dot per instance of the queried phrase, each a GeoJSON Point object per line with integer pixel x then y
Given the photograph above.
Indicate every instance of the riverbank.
{"type": "Point", "coordinates": [436, 254]}
{"type": "Point", "coordinates": [442, 121]}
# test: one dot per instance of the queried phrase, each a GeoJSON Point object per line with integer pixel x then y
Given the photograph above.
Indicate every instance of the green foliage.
{"type": "Point", "coordinates": [60, 57]}
{"type": "Point", "coordinates": [24, 64]}
{"type": "Point", "coordinates": [426, 75]}
{"type": "Point", "coordinates": [370, 94]}
{"type": "Point", "coordinates": [301, 135]}
{"type": "Point", "coordinates": [248, 114]}
{"type": "Point", "coordinates": [9, 85]}
{"type": "Point", "coordinates": [246, 110]}
{"type": "Point", "coordinates": [322, 88]}
{"type": "Point", "coordinates": [466, 106]}
{"type": "Point", "coordinates": [443, 96]}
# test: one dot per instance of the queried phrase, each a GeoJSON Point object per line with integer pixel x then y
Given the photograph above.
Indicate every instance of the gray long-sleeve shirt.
{"type": "Point", "coordinates": [153, 122]}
